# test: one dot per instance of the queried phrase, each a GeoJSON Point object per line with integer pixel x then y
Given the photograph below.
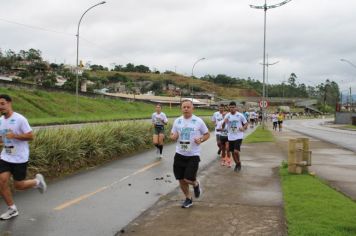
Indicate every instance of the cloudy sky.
{"type": "Point", "coordinates": [307, 37]}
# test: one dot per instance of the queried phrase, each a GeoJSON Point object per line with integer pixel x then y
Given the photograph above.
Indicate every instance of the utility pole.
{"type": "Point", "coordinates": [265, 7]}
{"type": "Point", "coordinates": [350, 99]}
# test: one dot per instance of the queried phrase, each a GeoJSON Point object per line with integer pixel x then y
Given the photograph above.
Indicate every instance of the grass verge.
{"type": "Point", "coordinates": [260, 135]}
{"type": "Point", "coordinates": [351, 127]}
{"type": "Point", "coordinates": [314, 208]}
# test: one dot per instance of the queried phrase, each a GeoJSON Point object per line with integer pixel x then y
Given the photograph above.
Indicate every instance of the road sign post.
{"type": "Point", "coordinates": [263, 104]}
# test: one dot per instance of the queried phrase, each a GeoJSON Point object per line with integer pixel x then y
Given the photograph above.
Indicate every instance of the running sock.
{"type": "Point", "coordinates": [160, 148]}
{"type": "Point", "coordinates": [13, 207]}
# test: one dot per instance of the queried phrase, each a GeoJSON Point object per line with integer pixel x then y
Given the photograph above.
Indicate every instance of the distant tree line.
{"type": "Point", "coordinates": [327, 93]}
{"type": "Point", "coordinates": [130, 67]}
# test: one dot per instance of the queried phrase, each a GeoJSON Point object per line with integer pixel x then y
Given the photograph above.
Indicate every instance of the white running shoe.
{"type": "Point", "coordinates": [9, 214]}
{"type": "Point", "coordinates": [42, 186]}
{"type": "Point", "coordinates": [161, 156]}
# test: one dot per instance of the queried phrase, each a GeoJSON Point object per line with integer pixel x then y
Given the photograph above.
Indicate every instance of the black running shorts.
{"type": "Point", "coordinates": [159, 129]}
{"type": "Point", "coordinates": [235, 145]}
{"type": "Point", "coordinates": [185, 167]}
{"type": "Point", "coordinates": [223, 139]}
{"type": "Point", "coordinates": [18, 170]}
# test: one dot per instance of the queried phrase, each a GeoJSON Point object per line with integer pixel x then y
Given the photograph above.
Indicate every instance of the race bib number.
{"type": "Point", "coordinates": [10, 150]}
{"type": "Point", "coordinates": [185, 146]}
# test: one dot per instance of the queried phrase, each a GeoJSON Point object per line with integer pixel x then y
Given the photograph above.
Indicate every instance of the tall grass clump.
{"type": "Point", "coordinates": [56, 152]}
{"type": "Point", "coordinates": [62, 151]}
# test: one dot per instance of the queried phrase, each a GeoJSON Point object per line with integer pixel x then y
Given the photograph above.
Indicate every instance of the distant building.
{"type": "Point", "coordinates": [5, 78]}
{"type": "Point", "coordinates": [60, 80]}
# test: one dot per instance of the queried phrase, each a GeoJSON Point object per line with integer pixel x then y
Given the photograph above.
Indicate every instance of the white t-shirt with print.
{"type": "Point", "coordinates": [217, 116]}
{"type": "Point", "coordinates": [234, 122]}
{"type": "Point", "coordinates": [188, 130]}
{"type": "Point", "coordinates": [274, 118]}
{"type": "Point", "coordinates": [14, 150]}
{"type": "Point", "coordinates": [224, 131]}
{"type": "Point", "coordinates": [253, 115]}
{"type": "Point", "coordinates": [157, 118]}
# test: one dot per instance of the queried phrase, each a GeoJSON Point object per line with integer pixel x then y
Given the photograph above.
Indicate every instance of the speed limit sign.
{"type": "Point", "coordinates": [263, 104]}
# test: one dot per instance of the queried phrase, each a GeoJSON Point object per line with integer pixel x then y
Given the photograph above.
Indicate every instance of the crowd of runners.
{"type": "Point", "coordinates": [189, 131]}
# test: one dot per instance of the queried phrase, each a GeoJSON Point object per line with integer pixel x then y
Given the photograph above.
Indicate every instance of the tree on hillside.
{"type": "Point", "coordinates": [49, 81]}
{"type": "Point", "coordinates": [117, 78]}
{"type": "Point", "coordinates": [70, 83]}
{"type": "Point", "coordinates": [98, 67]}
{"type": "Point", "coordinates": [157, 86]}
{"type": "Point", "coordinates": [118, 68]}
{"type": "Point", "coordinates": [33, 55]}
{"type": "Point", "coordinates": [328, 93]}
{"type": "Point", "coordinates": [130, 67]}
{"type": "Point", "coordinates": [292, 80]}
{"type": "Point", "coordinates": [142, 69]}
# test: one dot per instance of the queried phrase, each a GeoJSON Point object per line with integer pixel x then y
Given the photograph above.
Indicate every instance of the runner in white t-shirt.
{"type": "Point", "coordinates": [15, 132]}
{"type": "Point", "coordinates": [274, 121]}
{"type": "Point", "coordinates": [159, 120]}
{"type": "Point", "coordinates": [225, 153]}
{"type": "Point", "coordinates": [218, 116]}
{"type": "Point", "coordinates": [253, 118]}
{"type": "Point", "coordinates": [189, 131]}
{"type": "Point", "coordinates": [236, 125]}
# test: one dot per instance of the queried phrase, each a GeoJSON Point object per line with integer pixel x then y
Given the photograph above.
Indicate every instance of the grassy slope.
{"type": "Point", "coordinates": [226, 92]}
{"type": "Point", "coordinates": [42, 107]}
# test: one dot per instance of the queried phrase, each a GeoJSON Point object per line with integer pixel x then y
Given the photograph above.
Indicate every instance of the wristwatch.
{"type": "Point", "coordinates": [201, 140]}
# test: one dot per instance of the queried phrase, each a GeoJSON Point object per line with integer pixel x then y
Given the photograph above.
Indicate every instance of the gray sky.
{"type": "Point", "coordinates": [307, 37]}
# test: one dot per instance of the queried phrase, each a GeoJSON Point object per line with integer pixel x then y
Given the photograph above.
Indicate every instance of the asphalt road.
{"type": "Point", "coordinates": [100, 201]}
{"type": "Point", "coordinates": [316, 129]}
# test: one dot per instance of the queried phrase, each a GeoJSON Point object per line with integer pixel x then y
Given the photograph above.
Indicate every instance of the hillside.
{"type": "Point", "coordinates": [42, 107]}
{"type": "Point", "coordinates": [228, 92]}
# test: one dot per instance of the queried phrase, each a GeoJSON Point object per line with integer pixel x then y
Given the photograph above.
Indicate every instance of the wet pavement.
{"type": "Point", "coordinates": [245, 203]}
{"type": "Point", "coordinates": [331, 162]}
{"type": "Point", "coordinates": [317, 129]}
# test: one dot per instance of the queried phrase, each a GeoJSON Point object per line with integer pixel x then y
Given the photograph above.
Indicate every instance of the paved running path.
{"type": "Point", "coordinates": [244, 203]}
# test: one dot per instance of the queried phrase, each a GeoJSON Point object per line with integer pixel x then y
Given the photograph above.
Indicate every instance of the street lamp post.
{"type": "Point", "coordinates": [265, 7]}
{"type": "Point", "coordinates": [196, 62]}
{"type": "Point", "coordinates": [353, 65]}
{"type": "Point", "coordinates": [267, 65]}
{"type": "Point", "coordinates": [77, 60]}
{"type": "Point", "coordinates": [203, 58]}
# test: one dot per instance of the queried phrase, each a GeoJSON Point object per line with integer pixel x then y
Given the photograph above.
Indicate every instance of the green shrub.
{"type": "Point", "coordinates": [57, 152]}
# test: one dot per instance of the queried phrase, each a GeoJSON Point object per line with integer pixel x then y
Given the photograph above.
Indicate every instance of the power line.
{"type": "Point", "coordinates": [57, 32]}
{"type": "Point", "coordinates": [36, 27]}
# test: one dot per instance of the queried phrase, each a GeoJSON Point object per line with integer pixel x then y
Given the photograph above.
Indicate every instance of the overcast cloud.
{"type": "Point", "coordinates": [307, 37]}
